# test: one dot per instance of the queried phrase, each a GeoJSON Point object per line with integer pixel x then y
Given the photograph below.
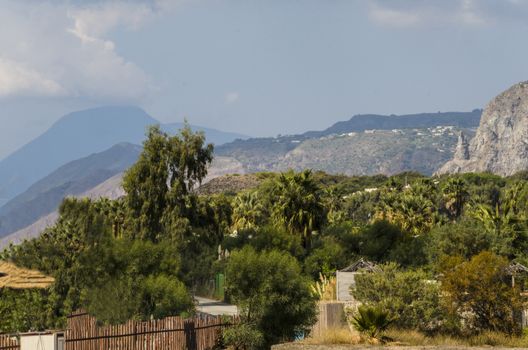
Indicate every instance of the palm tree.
{"type": "Point", "coordinates": [333, 202]}
{"type": "Point", "coordinates": [298, 204]}
{"type": "Point", "coordinates": [247, 211]}
{"type": "Point", "coordinates": [371, 321]}
{"type": "Point", "coordinates": [455, 195]}
{"type": "Point", "coordinates": [412, 213]}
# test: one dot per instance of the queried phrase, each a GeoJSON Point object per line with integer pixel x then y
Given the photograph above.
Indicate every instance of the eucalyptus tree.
{"type": "Point", "coordinates": [160, 184]}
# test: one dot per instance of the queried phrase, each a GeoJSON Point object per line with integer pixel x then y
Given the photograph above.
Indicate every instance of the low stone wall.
{"type": "Point", "coordinates": [297, 346]}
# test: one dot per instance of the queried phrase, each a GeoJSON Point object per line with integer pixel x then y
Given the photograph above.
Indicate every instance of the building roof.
{"type": "Point", "coordinates": [361, 265]}
{"type": "Point", "coordinates": [516, 268]}
{"type": "Point", "coordinates": [12, 276]}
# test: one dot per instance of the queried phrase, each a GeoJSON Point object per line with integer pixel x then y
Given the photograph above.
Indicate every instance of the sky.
{"type": "Point", "coordinates": [260, 68]}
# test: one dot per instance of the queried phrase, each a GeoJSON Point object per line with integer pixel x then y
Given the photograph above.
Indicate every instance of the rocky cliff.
{"type": "Point", "coordinates": [500, 145]}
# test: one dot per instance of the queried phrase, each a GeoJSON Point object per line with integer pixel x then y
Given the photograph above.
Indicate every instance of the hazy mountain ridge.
{"type": "Point", "coordinates": [73, 178]}
{"type": "Point", "coordinates": [78, 135]}
{"type": "Point", "coordinates": [111, 188]}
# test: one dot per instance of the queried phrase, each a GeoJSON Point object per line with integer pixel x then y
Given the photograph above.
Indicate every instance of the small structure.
{"type": "Point", "coordinates": [14, 277]}
{"type": "Point", "coordinates": [519, 275]}
{"type": "Point", "coordinates": [42, 340]}
{"type": "Point", "coordinates": [346, 278]}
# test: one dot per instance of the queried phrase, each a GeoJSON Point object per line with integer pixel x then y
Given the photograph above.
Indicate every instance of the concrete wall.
{"type": "Point", "coordinates": [345, 280]}
{"type": "Point", "coordinates": [330, 315]}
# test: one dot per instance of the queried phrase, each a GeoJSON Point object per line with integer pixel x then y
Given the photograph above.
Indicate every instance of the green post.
{"type": "Point", "coordinates": [219, 286]}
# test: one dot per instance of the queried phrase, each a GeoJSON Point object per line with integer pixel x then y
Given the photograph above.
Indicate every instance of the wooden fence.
{"type": "Point", "coordinates": [200, 333]}
{"type": "Point", "coordinates": [8, 342]}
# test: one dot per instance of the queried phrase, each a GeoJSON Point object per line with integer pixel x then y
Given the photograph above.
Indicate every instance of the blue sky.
{"type": "Point", "coordinates": [256, 67]}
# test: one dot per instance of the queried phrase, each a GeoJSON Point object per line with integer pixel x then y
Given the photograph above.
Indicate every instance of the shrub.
{"type": "Point", "coordinates": [271, 293]}
{"type": "Point", "coordinates": [410, 297]}
{"type": "Point", "coordinates": [371, 321]}
{"type": "Point", "coordinates": [243, 337]}
{"type": "Point", "coordinates": [480, 291]}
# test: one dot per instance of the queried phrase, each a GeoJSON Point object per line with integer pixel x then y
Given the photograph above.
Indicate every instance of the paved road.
{"type": "Point", "coordinates": [215, 307]}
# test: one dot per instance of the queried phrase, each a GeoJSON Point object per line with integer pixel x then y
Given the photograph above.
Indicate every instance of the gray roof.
{"type": "Point", "coordinates": [516, 268]}
{"type": "Point", "coordinates": [361, 264]}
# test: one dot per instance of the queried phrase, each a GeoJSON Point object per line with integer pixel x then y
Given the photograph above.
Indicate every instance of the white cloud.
{"type": "Point", "coordinates": [412, 13]}
{"type": "Point", "coordinates": [232, 97]}
{"type": "Point", "coordinates": [61, 48]}
{"type": "Point", "coordinates": [16, 79]}
{"type": "Point", "coordinates": [393, 17]}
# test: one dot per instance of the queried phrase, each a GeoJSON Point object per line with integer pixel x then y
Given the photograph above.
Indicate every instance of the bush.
{"type": "Point", "coordinates": [243, 337]}
{"type": "Point", "coordinates": [271, 293]}
{"type": "Point", "coordinates": [411, 299]}
{"type": "Point", "coordinates": [480, 291]}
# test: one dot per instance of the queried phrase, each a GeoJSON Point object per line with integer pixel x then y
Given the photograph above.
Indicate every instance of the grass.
{"type": "Point", "coordinates": [334, 336]}
{"type": "Point", "coordinates": [406, 337]}
{"type": "Point", "coordinates": [398, 337]}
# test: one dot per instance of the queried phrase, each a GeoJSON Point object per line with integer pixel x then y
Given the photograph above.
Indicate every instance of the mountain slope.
{"type": "Point", "coordinates": [375, 152]}
{"type": "Point", "coordinates": [111, 188]}
{"type": "Point", "coordinates": [77, 135]}
{"type": "Point", "coordinates": [71, 179]}
{"type": "Point", "coordinates": [333, 150]}
{"type": "Point", "coordinates": [501, 143]}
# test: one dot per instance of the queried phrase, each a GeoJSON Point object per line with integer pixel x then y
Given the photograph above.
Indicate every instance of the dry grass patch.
{"type": "Point", "coordinates": [414, 338]}
{"type": "Point", "coordinates": [334, 336]}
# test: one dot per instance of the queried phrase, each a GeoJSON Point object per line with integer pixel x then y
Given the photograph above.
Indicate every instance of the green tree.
{"type": "Point", "coordinates": [271, 293]}
{"type": "Point", "coordinates": [465, 238]}
{"type": "Point", "coordinates": [159, 185]}
{"type": "Point", "coordinates": [298, 205]}
{"type": "Point", "coordinates": [326, 258]}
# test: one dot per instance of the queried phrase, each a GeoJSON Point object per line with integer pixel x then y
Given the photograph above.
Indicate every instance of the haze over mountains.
{"type": "Point", "coordinates": [86, 152]}
{"type": "Point", "coordinates": [77, 135]}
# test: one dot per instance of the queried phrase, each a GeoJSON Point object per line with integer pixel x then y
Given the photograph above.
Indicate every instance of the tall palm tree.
{"type": "Point", "coordinates": [455, 195]}
{"type": "Point", "coordinates": [298, 205]}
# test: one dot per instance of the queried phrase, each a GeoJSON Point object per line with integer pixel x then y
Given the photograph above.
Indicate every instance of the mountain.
{"type": "Point", "coordinates": [214, 136]}
{"type": "Point", "coordinates": [362, 122]}
{"type": "Point", "coordinates": [500, 145]}
{"type": "Point", "coordinates": [78, 135]}
{"type": "Point", "coordinates": [111, 188]}
{"type": "Point", "coordinates": [363, 145]}
{"type": "Point", "coordinates": [73, 178]}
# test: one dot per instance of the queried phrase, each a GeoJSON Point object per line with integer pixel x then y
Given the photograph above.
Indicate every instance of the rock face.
{"type": "Point", "coordinates": [500, 145]}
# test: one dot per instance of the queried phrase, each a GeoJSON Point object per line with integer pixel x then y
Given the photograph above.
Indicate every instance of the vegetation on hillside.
{"type": "Point", "coordinates": [443, 246]}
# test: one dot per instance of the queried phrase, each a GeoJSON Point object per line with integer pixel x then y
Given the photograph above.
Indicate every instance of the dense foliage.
{"type": "Point", "coordinates": [443, 247]}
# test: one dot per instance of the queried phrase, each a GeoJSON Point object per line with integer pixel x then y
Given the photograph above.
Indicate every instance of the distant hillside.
{"type": "Point", "coordinates": [111, 189]}
{"type": "Point", "coordinates": [397, 145]}
{"type": "Point", "coordinates": [71, 179]}
{"type": "Point", "coordinates": [362, 122]}
{"type": "Point", "coordinates": [77, 135]}
{"type": "Point", "coordinates": [375, 152]}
